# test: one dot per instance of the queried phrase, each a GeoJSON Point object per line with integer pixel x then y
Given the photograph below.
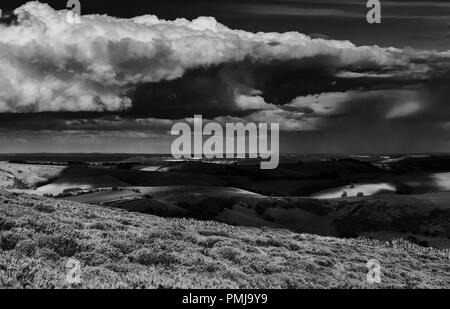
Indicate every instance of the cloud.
{"type": "Point", "coordinates": [413, 10]}
{"type": "Point", "coordinates": [302, 11]}
{"type": "Point", "coordinates": [252, 102]}
{"type": "Point", "coordinates": [109, 64]}
{"type": "Point", "coordinates": [324, 104]}
{"type": "Point", "coordinates": [77, 141]}
{"type": "Point", "coordinates": [404, 109]}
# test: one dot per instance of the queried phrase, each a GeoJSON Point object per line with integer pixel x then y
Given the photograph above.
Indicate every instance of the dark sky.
{"type": "Point", "coordinates": [327, 96]}
{"type": "Point", "coordinates": [422, 24]}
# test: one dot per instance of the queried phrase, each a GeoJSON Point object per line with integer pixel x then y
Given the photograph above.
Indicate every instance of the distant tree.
{"type": "Point", "coordinates": [17, 162]}
{"type": "Point", "coordinates": [360, 194]}
{"type": "Point", "coordinates": [72, 191]}
{"type": "Point", "coordinates": [344, 194]}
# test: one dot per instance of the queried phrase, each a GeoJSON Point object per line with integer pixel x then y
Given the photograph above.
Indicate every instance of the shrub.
{"type": "Point", "coordinates": [423, 243]}
{"type": "Point", "coordinates": [41, 207]}
{"type": "Point", "coordinates": [64, 245]}
{"type": "Point", "coordinates": [123, 246]}
{"type": "Point", "coordinates": [27, 247]}
{"type": "Point", "coordinates": [208, 242]}
{"type": "Point", "coordinates": [8, 241]}
{"type": "Point", "coordinates": [148, 257]}
{"type": "Point", "coordinates": [229, 253]}
{"type": "Point", "coordinates": [269, 242]}
{"type": "Point", "coordinates": [324, 262]}
{"type": "Point", "coordinates": [6, 225]}
{"type": "Point", "coordinates": [218, 233]}
{"type": "Point", "coordinates": [102, 226]}
{"type": "Point", "coordinates": [212, 267]}
{"type": "Point", "coordinates": [92, 258]}
{"type": "Point", "coordinates": [48, 254]}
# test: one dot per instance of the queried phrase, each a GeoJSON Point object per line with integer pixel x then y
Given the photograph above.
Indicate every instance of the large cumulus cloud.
{"type": "Point", "coordinates": [146, 65]}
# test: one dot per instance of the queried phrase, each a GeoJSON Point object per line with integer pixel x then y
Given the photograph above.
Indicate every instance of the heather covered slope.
{"type": "Point", "coordinates": [132, 250]}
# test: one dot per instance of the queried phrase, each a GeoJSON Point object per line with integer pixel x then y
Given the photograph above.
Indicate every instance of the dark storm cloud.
{"type": "Point", "coordinates": [212, 91]}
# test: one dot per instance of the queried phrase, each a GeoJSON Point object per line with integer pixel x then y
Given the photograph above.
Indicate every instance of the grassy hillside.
{"type": "Point", "coordinates": [23, 176]}
{"type": "Point", "coordinates": [119, 249]}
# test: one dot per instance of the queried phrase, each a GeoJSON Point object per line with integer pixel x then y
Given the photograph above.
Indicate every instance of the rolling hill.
{"type": "Point", "coordinates": [120, 249]}
{"type": "Point", "coordinates": [424, 218]}
{"type": "Point", "coordinates": [223, 192]}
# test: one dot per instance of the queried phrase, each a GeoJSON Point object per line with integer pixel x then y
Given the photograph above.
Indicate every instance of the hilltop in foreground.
{"type": "Point", "coordinates": [120, 249]}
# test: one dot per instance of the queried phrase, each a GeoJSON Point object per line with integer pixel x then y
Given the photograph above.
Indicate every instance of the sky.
{"type": "Point", "coordinates": [121, 78]}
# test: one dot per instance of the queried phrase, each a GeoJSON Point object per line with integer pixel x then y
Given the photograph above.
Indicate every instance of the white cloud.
{"type": "Point", "coordinates": [288, 120]}
{"type": "Point", "coordinates": [324, 104]}
{"type": "Point", "coordinates": [252, 102]}
{"type": "Point", "coordinates": [47, 64]}
{"type": "Point", "coordinates": [404, 109]}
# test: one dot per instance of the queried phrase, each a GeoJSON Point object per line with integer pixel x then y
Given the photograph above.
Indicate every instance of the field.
{"type": "Point", "coordinates": [148, 222]}
{"type": "Point", "coordinates": [120, 249]}
{"type": "Point", "coordinates": [421, 218]}
{"type": "Point", "coordinates": [242, 195]}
